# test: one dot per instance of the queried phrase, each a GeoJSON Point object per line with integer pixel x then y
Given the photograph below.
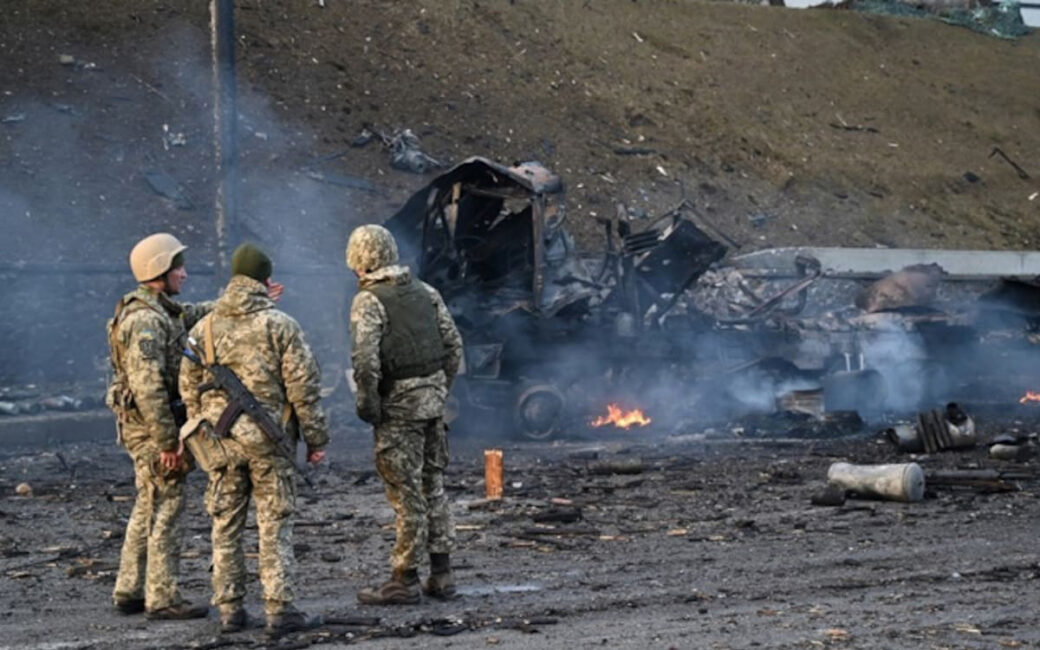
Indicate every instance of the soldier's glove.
{"type": "Point", "coordinates": [372, 418]}
{"type": "Point", "coordinates": [370, 412]}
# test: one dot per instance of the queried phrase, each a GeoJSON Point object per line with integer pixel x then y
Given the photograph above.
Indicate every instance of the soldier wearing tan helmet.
{"type": "Point", "coordinates": [146, 338]}
{"type": "Point", "coordinates": [406, 351]}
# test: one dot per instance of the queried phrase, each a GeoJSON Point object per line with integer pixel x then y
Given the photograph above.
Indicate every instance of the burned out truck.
{"type": "Point", "coordinates": [545, 330]}
{"type": "Point", "coordinates": [662, 321]}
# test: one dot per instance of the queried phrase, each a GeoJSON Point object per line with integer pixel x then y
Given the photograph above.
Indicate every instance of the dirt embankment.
{"type": "Point", "coordinates": [856, 129]}
{"type": "Point", "coordinates": [784, 126]}
{"type": "Point", "coordinates": [849, 129]}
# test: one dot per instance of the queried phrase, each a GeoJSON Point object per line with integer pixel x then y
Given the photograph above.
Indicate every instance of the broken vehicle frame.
{"type": "Point", "coordinates": [971, 341]}
{"type": "Point", "coordinates": [537, 321]}
{"type": "Point", "coordinates": [550, 336]}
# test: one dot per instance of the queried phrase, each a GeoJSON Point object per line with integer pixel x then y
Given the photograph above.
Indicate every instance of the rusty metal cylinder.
{"type": "Point", "coordinates": [493, 473]}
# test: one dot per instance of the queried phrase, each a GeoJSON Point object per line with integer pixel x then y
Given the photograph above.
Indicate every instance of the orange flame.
{"type": "Point", "coordinates": [621, 419]}
{"type": "Point", "coordinates": [1030, 396]}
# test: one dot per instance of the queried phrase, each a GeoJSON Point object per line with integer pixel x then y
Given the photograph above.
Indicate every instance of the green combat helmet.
{"type": "Point", "coordinates": [370, 248]}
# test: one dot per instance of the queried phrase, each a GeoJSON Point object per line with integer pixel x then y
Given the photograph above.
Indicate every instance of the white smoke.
{"type": "Point", "coordinates": [900, 357]}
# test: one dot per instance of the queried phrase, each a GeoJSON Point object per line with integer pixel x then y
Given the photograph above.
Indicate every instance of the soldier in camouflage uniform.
{"type": "Point", "coordinates": [405, 351]}
{"type": "Point", "coordinates": [146, 337]}
{"type": "Point", "coordinates": [266, 349]}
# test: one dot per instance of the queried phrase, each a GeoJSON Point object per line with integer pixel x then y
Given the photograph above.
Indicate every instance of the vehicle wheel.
{"type": "Point", "coordinates": [538, 411]}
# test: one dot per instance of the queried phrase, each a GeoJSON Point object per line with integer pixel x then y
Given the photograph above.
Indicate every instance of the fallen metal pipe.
{"type": "Point", "coordinates": [897, 482]}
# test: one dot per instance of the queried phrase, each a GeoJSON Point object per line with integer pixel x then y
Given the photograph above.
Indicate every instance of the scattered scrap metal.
{"type": "Point", "coordinates": [950, 428]}
{"type": "Point", "coordinates": [406, 152]}
{"type": "Point", "coordinates": [1001, 19]}
{"type": "Point", "coordinates": [936, 430]}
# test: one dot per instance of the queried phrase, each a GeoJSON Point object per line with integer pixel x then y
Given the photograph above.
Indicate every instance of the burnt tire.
{"type": "Point", "coordinates": [538, 411]}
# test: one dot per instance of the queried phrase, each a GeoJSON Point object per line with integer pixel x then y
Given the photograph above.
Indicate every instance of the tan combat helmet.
{"type": "Point", "coordinates": [153, 256]}
{"type": "Point", "coordinates": [370, 248]}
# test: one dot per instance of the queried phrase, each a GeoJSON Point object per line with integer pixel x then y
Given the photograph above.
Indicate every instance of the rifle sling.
{"type": "Point", "coordinates": [211, 355]}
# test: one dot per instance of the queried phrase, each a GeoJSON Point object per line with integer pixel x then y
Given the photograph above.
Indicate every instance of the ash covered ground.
{"type": "Point", "coordinates": [708, 541]}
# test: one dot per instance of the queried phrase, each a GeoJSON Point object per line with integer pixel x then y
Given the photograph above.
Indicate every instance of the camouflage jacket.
{"type": "Point", "coordinates": [415, 398]}
{"type": "Point", "coordinates": [266, 348]}
{"type": "Point", "coordinates": [146, 339]}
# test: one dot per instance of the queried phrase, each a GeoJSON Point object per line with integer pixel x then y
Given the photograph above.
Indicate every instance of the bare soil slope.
{"type": "Point", "coordinates": [784, 126]}
{"type": "Point", "coordinates": [743, 104]}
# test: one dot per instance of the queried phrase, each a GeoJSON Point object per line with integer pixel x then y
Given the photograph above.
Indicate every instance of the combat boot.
{"type": "Point", "coordinates": [440, 584]}
{"type": "Point", "coordinates": [401, 589]}
{"type": "Point", "coordinates": [129, 606]}
{"type": "Point", "coordinates": [290, 620]}
{"type": "Point", "coordinates": [233, 620]}
{"type": "Point", "coordinates": [182, 611]}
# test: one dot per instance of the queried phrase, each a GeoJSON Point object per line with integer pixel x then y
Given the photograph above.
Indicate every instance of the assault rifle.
{"type": "Point", "coordinates": [241, 401]}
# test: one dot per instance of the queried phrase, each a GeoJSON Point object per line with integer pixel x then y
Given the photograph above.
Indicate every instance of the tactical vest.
{"type": "Point", "coordinates": [118, 397]}
{"type": "Point", "coordinates": [412, 345]}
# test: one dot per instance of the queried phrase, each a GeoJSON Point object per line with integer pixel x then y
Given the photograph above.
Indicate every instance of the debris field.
{"type": "Point", "coordinates": [623, 539]}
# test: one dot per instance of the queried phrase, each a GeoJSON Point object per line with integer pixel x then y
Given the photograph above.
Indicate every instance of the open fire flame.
{"type": "Point", "coordinates": [1030, 396]}
{"type": "Point", "coordinates": [621, 419]}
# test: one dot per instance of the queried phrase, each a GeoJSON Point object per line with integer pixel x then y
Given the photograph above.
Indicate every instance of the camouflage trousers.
{"type": "Point", "coordinates": [411, 457]}
{"type": "Point", "coordinates": [150, 558]}
{"type": "Point", "coordinates": [270, 483]}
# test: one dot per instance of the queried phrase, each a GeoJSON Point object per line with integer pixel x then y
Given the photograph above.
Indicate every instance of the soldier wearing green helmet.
{"type": "Point", "coordinates": [405, 351]}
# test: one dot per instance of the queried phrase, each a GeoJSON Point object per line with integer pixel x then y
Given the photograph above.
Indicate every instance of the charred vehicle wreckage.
{"type": "Point", "coordinates": [666, 324]}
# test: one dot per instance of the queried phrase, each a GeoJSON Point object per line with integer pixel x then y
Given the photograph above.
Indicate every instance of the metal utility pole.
{"type": "Point", "coordinates": [225, 122]}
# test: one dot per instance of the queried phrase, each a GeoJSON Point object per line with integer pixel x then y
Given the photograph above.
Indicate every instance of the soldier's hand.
{"type": "Point", "coordinates": [170, 460]}
{"type": "Point", "coordinates": [315, 456]}
{"type": "Point", "coordinates": [274, 289]}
